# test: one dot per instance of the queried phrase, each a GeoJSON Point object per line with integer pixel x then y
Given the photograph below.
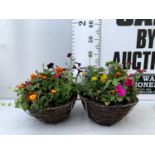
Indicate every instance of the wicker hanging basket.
{"type": "Point", "coordinates": [54, 114]}
{"type": "Point", "coordinates": [106, 115]}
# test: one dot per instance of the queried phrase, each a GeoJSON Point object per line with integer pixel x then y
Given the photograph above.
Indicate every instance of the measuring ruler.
{"type": "Point", "coordinates": [86, 41]}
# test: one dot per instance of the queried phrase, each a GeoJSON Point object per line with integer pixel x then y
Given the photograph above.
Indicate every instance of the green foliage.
{"type": "Point", "coordinates": [110, 86]}
{"type": "Point", "coordinates": [53, 87]}
{"type": "Point", "coordinates": [3, 104]}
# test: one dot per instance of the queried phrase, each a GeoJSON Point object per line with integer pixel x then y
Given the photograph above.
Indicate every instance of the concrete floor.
{"type": "Point", "coordinates": [141, 120]}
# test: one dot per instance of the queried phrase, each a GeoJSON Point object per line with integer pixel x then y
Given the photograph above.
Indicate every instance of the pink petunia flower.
{"type": "Point", "coordinates": [120, 90]}
{"type": "Point", "coordinates": [130, 75]}
{"type": "Point", "coordinates": [129, 82]}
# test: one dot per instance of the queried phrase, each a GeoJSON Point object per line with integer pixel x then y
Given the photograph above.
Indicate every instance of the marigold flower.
{"type": "Point", "coordinates": [53, 91]}
{"type": "Point", "coordinates": [59, 70]}
{"type": "Point", "coordinates": [103, 78]}
{"type": "Point", "coordinates": [118, 74]}
{"type": "Point", "coordinates": [33, 76]}
{"type": "Point", "coordinates": [32, 97]}
{"type": "Point", "coordinates": [42, 76]}
{"type": "Point", "coordinates": [94, 78]}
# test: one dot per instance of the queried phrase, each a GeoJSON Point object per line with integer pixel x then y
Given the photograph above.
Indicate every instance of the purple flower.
{"type": "Point", "coordinates": [50, 65]}
{"type": "Point", "coordinates": [69, 55]}
{"type": "Point", "coordinates": [120, 90]}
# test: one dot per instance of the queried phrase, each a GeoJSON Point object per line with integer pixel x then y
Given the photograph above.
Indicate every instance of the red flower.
{"type": "Point", "coordinates": [58, 72]}
{"type": "Point", "coordinates": [56, 76]}
{"type": "Point", "coordinates": [129, 82]}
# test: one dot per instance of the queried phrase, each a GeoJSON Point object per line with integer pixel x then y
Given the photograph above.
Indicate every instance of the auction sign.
{"type": "Point", "coordinates": [131, 41]}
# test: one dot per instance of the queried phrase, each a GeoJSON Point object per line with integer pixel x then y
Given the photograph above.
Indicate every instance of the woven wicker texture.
{"type": "Point", "coordinates": [106, 115]}
{"type": "Point", "coordinates": [54, 114]}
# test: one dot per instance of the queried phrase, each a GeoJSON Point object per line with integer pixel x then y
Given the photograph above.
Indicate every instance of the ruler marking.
{"type": "Point", "coordinates": [97, 23]}
{"type": "Point", "coordinates": [86, 36]}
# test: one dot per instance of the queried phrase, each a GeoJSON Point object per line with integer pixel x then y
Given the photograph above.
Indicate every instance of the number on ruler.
{"type": "Point", "coordinates": [82, 23]}
{"type": "Point", "coordinates": [90, 54]}
{"type": "Point", "coordinates": [90, 39]}
{"type": "Point", "coordinates": [91, 24]}
{"type": "Point", "coordinates": [86, 42]}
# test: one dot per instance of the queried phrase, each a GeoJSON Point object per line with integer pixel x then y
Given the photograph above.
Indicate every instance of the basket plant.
{"type": "Point", "coordinates": [108, 94]}
{"type": "Point", "coordinates": [49, 95]}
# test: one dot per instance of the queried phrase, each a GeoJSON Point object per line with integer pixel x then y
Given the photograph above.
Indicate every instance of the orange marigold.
{"type": "Point", "coordinates": [118, 74]}
{"type": "Point", "coordinates": [42, 76]}
{"type": "Point", "coordinates": [59, 70]}
{"type": "Point", "coordinates": [32, 97]}
{"type": "Point", "coordinates": [33, 76]}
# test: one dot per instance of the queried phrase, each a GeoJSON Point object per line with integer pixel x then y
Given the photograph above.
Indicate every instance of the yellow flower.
{"type": "Point", "coordinates": [32, 97]}
{"type": "Point", "coordinates": [53, 91]}
{"type": "Point", "coordinates": [94, 78]}
{"type": "Point", "coordinates": [83, 73]}
{"type": "Point", "coordinates": [103, 78]}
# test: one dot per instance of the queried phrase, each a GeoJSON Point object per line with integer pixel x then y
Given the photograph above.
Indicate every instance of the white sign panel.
{"type": "Point", "coordinates": [133, 41]}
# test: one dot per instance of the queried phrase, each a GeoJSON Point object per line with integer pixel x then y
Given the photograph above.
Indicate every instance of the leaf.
{"type": "Point", "coordinates": [9, 104]}
{"type": "Point", "coordinates": [25, 106]}
{"type": "Point", "coordinates": [3, 104]}
{"type": "Point", "coordinates": [107, 103]}
{"type": "Point", "coordinates": [115, 82]}
{"type": "Point", "coordinates": [119, 99]}
{"type": "Point", "coordinates": [107, 84]}
{"type": "Point", "coordinates": [128, 98]}
{"type": "Point", "coordinates": [112, 98]}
